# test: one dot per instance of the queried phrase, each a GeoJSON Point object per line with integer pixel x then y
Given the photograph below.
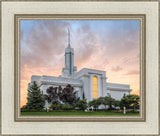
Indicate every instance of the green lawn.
{"type": "Point", "coordinates": [80, 113]}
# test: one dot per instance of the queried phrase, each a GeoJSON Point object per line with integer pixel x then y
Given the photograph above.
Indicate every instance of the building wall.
{"type": "Point", "coordinates": [117, 91]}
{"type": "Point", "coordinates": [86, 76]}
{"type": "Point", "coordinates": [86, 87]}
{"type": "Point", "coordinates": [35, 78]}
{"type": "Point", "coordinates": [118, 95]}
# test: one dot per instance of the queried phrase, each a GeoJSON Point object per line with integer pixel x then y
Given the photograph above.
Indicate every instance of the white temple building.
{"type": "Point", "coordinates": [88, 83]}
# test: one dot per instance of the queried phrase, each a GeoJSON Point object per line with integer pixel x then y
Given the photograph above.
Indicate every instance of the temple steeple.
{"type": "Point", "coordinates": [69, 37]}
{"type": "Point", "coordinates": [69, 68]}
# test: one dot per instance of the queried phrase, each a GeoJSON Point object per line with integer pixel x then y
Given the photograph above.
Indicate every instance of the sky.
{"type": "Point", "coordinates": [108, 45]}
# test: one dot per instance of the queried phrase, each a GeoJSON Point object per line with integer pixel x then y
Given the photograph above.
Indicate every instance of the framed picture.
{"type": "Point", "coordinates": [92, 94]}
{"type": "Point", "coordinates": [80, 68]}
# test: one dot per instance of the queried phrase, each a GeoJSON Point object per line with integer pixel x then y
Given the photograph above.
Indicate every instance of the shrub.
{"type": "Point", "coordinates": [66, 107]}
{"type": "Point", "coordinates": [82, 104]}
{"type": "Point", "coordinates": [32, 110]}
{"type": "Point", "coordinates": [55, 106]}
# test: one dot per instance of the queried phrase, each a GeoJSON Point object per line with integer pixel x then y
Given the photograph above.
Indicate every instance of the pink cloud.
{"type": "Point", "coordinates": [116, 68]}
{"type": "Point", "coordinates": [132, 72]}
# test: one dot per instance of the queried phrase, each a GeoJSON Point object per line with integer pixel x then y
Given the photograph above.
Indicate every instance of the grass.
{"type": "Point", "coordinates": [80, 113]}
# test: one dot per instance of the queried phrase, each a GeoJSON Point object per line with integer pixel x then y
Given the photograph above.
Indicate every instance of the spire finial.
{"type": "Point", "coordinates": [68, 37]}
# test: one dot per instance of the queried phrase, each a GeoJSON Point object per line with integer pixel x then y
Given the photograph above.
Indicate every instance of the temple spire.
{"type": "Point", "coordinates": [69, 69]}
{"type": "Point", "coordinates": [68, 37]}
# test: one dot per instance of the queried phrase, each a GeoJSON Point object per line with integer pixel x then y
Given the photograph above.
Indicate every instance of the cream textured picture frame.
{"type": "Point", "coordinates": [146, 11]}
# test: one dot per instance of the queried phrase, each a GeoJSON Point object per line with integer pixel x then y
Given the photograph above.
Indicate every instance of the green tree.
{"type": "Point", "coordinates": [82, 104]}
{"type": "Point", "coordinates": [116, 103]}
{"type": "Point", "coordinates": [130, 100]}
{"type": "Point", "coordinates": [110, 101]}
{"type": "Point", "coordinates": [83, 96]}
{"type": "Point", "coordinates": [103, 101]}
{"type": "Point", "coordinates": [95, 103]}
{"type": "Point", "coordinates": [124, 95]}
{"type": "Point", "coordinates": [36, 99]}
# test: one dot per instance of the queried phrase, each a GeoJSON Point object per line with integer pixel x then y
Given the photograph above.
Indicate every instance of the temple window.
{"type": "Point", "coordinates": [94, 87]}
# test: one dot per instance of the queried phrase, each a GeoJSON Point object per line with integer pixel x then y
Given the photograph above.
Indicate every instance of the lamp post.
{"type": "Point", "coordinates": [124, 110]}
{"type": "Point", "coordinates": [48, 108]}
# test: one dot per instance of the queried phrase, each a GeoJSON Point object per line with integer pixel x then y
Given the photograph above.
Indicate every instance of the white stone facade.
{"type": "Point", "coordinates": [82, 80]}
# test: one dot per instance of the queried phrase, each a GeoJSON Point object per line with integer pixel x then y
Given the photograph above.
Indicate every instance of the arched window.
{"type": "Point", "coordinates": [94, 87]}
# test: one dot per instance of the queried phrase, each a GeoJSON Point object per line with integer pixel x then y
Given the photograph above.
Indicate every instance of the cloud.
{"type": "Point", "coordinates": [44, 44]}
{"type": "Point", "coordinates": [130, 59]}
{"type": "Point", "coordinates": [121, 39]}
{"type": "Point", "coordinates": [116, 68]}
{"type": "Point", "coordinates": [132, 72]}
{"type": "Point", "coordinates": [84, 43]}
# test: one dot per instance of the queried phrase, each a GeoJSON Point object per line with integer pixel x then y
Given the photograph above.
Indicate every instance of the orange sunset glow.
{"type": "Point", "coordinates": [111, 46]}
